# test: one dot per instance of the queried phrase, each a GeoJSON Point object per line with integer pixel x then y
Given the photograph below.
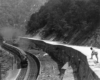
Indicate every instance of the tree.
{"type": "Point", "coordinates": [66, 18]}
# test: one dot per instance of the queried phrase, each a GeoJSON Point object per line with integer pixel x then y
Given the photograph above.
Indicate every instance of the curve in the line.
{"type": "Point", "coordinates": [10, 49]}
{"type": "Point", "coordinates": [33, 75]}
{"type": "Point", "coordinates": [20, 54]}
{"type": "Point", "coordinates": [22, 74]}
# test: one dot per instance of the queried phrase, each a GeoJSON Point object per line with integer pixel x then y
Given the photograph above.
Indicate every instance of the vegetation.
{"type": "Point", "coordinates": [15, 13]}
{"type": "Point", "coordinates": [70, 20]}
{"type": "Point", "coordinates": [6, 62]}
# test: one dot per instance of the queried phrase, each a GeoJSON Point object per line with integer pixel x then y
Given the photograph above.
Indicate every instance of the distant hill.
{"type": "Point", "coordinates": [72, 21]}
{"type": "Point", "coordinates": [15, 13]}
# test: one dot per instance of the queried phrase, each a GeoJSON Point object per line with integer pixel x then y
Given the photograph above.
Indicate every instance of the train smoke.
{"type": "Point", "coordinates": [10, 34]}
{"type": "Point", "coordinates": [24, 44]}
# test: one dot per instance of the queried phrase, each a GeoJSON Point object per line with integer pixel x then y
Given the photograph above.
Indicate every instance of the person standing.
{"type": "Point", "coordinates": [94, 53]}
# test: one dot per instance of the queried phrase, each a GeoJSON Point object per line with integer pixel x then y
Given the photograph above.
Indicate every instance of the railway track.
{"type": "Point", "coordinates": [34, 67]}
{"type": "Point", "coordinates": [17, 52]}
{"type": "Point", "coordinates": [22, 74]}
{"type": "Point", "coordinates": [8, 47]}
{"type": "Point", "coordinates": [28, 73]}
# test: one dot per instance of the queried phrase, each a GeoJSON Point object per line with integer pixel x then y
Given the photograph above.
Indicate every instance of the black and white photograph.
{"type": "Point", "coordinates": [49, 40]}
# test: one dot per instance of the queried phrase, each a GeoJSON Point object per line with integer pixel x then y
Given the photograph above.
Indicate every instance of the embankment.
{"type": "Point", "coordinates": [62, 54]}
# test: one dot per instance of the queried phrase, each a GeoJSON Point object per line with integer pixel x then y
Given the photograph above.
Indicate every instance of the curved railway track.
{"type": "Point", "coordinates": [22, 74]}
{"type": "Point", "coordinates": [9, 49]}
{"type": "Point", "coordinates": [33, 71]}
{"type": "Point", "coordinates": [34, 67]}
{"type": "Point", "coordinates": [14, 50]}
{"type": "Point", "coordinates": [28, 73]}
{"type": "Point", "coordinates": [17, 54]}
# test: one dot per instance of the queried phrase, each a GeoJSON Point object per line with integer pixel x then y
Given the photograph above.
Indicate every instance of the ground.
{"type": "Point", "coordinates": [92, 62]}
{"type": "Point", "coordinates": [6, 63]}
{"type": "Point", "coordinates": [49, 68]}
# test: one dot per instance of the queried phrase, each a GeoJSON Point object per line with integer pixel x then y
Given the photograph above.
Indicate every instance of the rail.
{"type": "Point", "coordinates": [34, 65]}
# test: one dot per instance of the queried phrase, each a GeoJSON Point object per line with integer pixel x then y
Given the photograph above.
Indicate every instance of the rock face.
{"type": "Point", "coordinates": [62, 54]}
{"type": "Point", "coordinates": [85, 73]}
{"type": "Point", "coordinates": [76, 59]}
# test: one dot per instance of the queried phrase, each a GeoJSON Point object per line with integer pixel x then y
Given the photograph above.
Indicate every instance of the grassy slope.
{"type": "Point", "coordinates": [6, 62]}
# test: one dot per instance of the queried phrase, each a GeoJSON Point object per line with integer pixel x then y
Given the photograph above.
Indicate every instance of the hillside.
{"type": "Point", "coordinates": [77, 64]}
{"type": "Point", "coordinates": [5, 63]}
{"type": "Point", "coordinates": [16, 13]}
{"type": "Point", "coordinates": [72, 21]}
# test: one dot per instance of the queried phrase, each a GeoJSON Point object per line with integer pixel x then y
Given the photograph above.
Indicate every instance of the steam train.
{"type": "Point", "coordinates": [23, 64]}
{"type": "Point", "coordinates": [18, 54]}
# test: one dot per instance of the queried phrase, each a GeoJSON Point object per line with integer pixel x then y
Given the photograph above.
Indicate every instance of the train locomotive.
{"type": "Point", "coordinates": [24, 63]}
{"type": "Point", "coordinates": [21, 58]}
